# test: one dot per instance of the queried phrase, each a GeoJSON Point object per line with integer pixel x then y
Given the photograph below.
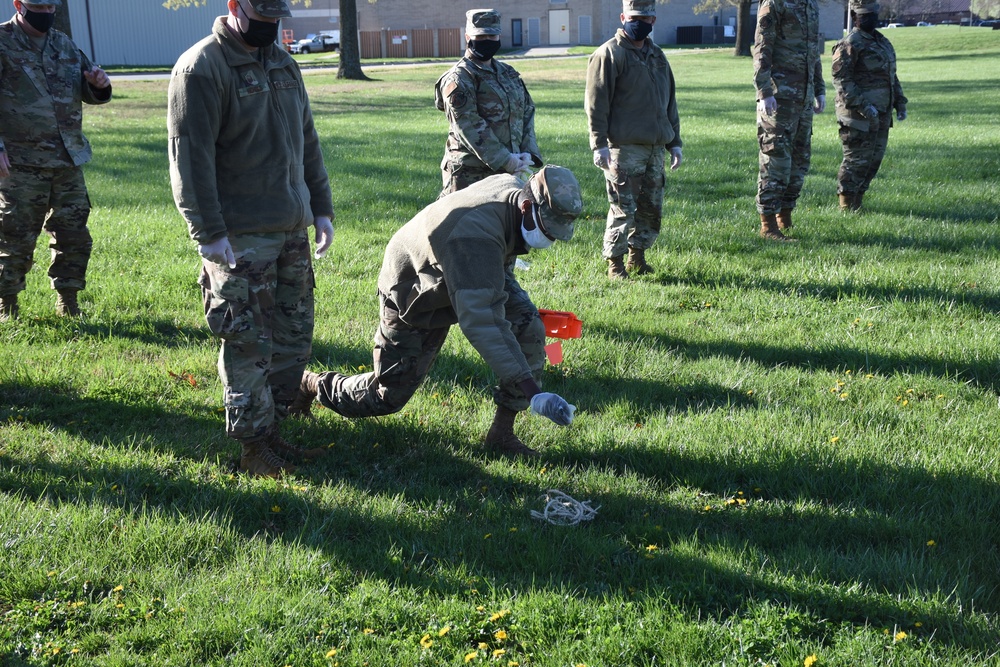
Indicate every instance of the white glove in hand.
{"type": "Point", "coordinates": [676, 157]}
{"type": "Point", "coordinates": [324, 235]}
{"type": "Point", "coordinates": [526, 158]}
{"type": "Point", "coordinates": [554, 407]}
{"type": "Point", "coordinates": [516, 163]}
{"type": "Point", "coordinates": [768, 106]}
{"type": "Point", "coordinates": [219, 251]}
{"type": "Point", "coordinates": [602, 157]}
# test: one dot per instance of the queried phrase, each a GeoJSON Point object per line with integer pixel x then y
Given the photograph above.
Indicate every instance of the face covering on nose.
{"type": "Point", "coordinates": [260, 33]}
{"type": "Point", "coordinates": [535, 238]}
{"type": "Point", "coordinates": [484, 49]}
{"type": "Point", "coordinates": [637, 30]}
{"type": "Point", "coordinates": [40, 21]}
{"type": "Point", "coordinates": [868, 22]}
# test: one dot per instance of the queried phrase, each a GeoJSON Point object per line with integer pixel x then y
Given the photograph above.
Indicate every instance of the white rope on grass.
{"type": "Point", "coordinates": [562, 510]}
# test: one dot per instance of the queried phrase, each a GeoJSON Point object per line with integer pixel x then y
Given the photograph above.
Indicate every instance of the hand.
{"type": "Point", "coordinates": [219, 251]}
{"type": "Point", "coordinates": [870, 112]}
{"type": "Point", "coordinates": [516, 163]}
{"type": "Point", "coordinates": [602, 157]}
{"type": "Point", "coordinates": [4, 165]}
{"type": "Point", "coordinates": [820, 104]}
{"type": "Point", "coordinates": [528, 158]}
{"type": "Point", "coordinates": [324, 235]}
{"type": "Point", "coordinates": [767, 106]}
{"type": "Point", "coordinates": [554, 407]}
{"type": "Point", "coordinates": [675, 158]}
{"type": "Point", "coordinates": [901, 113]}
{"type": "Point", "coordinates": [97, 77]}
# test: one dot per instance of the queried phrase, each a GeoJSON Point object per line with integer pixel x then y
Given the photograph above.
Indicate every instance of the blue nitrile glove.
{"type": "Point", "coordinates": [554, 407]}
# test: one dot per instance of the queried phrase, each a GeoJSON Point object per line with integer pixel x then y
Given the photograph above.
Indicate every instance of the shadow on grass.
{"type": "Point", "coordinates": [466, 515]}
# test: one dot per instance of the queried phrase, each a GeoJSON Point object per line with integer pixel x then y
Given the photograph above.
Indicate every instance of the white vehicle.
{"type": "Point", "coordinates": [326, 40]}
{"type": "Point", "coordinates": [895, 25]}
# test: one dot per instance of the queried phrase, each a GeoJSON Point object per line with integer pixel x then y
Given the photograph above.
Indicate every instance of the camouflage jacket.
{"type": "Point", "coordinates": [490, 115]}
{"type": "Point", "coordinates": [446, 266]}
{"type": "Point", "coordinates": [864, 74]}
{"type": "Point", "coordinates": [41, 99]}
{"type": "Point", "coordinates": [630, 96]}
{"type": "Point", "coordinates": [244, 154]}
{"type": "Point", "coordinates": [787, 50]}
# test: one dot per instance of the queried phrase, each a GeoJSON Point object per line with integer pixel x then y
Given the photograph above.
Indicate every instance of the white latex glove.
{"type": "Point", "coordinates": [676, 157]}
{"type": "Point", "coordinates": [768, 106]}
{"type": "Point", "coordinates": [602, 157]}
{"type": "Point", "coordinates": [219, 251]}
{"type": "Point", "coordinates": [554, 407]}
{"type": "Point", "coordinates": [900, 114]}
{"type": "Point", "coordinates": [820, 104]}
{"type": "Point", "coordinates": [4, 165]}
{"type": "Point", "coordinates": [516, 163]}
{"type": "Point", "coordinates": [97, 78]}
{"type": "Point", "coordinates": [526, 158]}
{"type": "Point", "coordinates": [324, 235]}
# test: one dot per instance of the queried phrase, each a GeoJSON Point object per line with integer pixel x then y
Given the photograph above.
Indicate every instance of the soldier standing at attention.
{"type": "Point", "coordinates": [447, 266]}
{"type": "Point", "coordinates": [788, 76]}
{"type": "Point", "coordinates": [864, 74]}
{"type": "Point", "coordinates": [632, 115]}
{"type": "Point", "coordinates": [248, 178]}
{"type": "Point", "coordinates": [491, 115]}
{"type": "Point", "coordinates": [44, 79]}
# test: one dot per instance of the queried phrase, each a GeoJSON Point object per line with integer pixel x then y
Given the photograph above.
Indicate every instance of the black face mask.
{"type": "Point", "coordinates": [260, 33]}
{"type": "Point", "coordinates": [637, 30]}
{"type": "Point", "coordinates": [868, 22]}
{"type": "Point", "coordinates": [483, 49]}
{"type": "Point", "coordinates": [40, 21]}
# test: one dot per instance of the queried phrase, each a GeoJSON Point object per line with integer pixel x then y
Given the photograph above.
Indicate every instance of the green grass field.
{"type": "Point", "coordinates": [793, 447]}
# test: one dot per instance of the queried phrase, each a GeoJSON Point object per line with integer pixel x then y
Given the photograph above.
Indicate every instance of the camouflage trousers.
{"type": "Point", "coordinates": [403, 356]}
{"type": "Point", "coordinates": [634, 181]}
{"type": "Point", "coordinates": [863, 153]}
{"type": "Point", "coordinates": [785, 150]}
{"type": "Point", "coordinates": [458, 177]}
{"type": "Point", "coordinates": [263, 312]}
{"type": "Point", "coordinates": [33, 199]}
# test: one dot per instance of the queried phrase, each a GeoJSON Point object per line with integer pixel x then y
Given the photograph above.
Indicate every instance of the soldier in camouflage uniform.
{"type": "Point", "coordinates": [868, 91]}
{"type": "Point", "coordinates": [632, 114]}
{"type": "Point", "coordinates": [491, 115]}
{"type": "Point", "coordinates": [44, 79]}
{"type": "Point", "coordinates": [445, 267]}
{"type": "Point", "coordinates": [248, 177]}
{"type": "Point", "coordinates": [788, 76]}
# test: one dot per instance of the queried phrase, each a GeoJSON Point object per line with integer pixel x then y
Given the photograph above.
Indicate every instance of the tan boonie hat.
{"type": "Point", "coordinates": [482, 22]}
{"type": "Point", "coordinates": [271, 9]}
{"type": "Point", "coordinates": [865, 7]}
{"type": "Point", "coordinates": [557, 193]}
{"type": "Point", "coordinates": [639, 7]}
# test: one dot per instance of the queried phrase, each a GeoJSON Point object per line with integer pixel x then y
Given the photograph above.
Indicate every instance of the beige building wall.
{"type": "Point", "coordinates": [541, 22]}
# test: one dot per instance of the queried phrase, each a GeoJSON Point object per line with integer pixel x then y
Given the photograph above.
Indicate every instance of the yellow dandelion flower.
{"type": "Point", "coordinates": [750, 392]}
{"type": "Point", "coordinates": [909, 391]}
{"type": "Point", "coordinates": [51, 573]}
{"type": "Point", "coordinates": [918, 624]}
{"type": "Point", "coordinates": [118, 589]}
{"type": "Point", "coordinates": [708, 508]}
{"type": "Point", "coordinates": [741, 501]}
{"type": "Point", "coordinates": [483, 645]}
{"type": "Point", "coordinates": [739, 493]}
{"type": "Point", "coordinates": [731, 501]}
{"type": "Point", "coordinates": [513, 663]}
{"type": "Point", "coordinates": [847, 372]}
{"type": "Point", "coordinates": [870, 376]}
{"type": "Point", "coordinates": [56, 650]}
{"type": "Point", "coordinates": [480, 608]}
{"type": "Point", "coordinates": [513, 529]}
{"type": "Point", "coordinates": [332, 652]}
{"type": "Point", "coordinates": [276, 509]}
{"type": "Point", "coordinates": [931, 543]}
{"type": "Point", "coordinates": [498, 652]}
{"type": "Point", "coordinates": [74, 650]}
{"type": "Point", "coordinates": [119, 606]}
{"type": "Point", "coordinates": [368, 631]}
{"type": "Point", "coordinates": [543, 471]}
{"type": "Point", "coordinates": [443, 631]}
{"type": "Point", "coordinates": [652, 547]}
{"type": "Point", "coordinates": [899, 636]}
{"type": "Point", "coordinates": [810, 660]}
{"type": "Point", "coordinates": [495, 617]}
{"type": "Point", "coordinates": [426, 641]}
{"type": "Point", "coordinates": [487, 536]}
{"type": "Point", "coordinates": [500, 635]}
{"type": "Point", "coordinates": [905, 402]}
{"type": "Point", "coordinates": [469, 657]}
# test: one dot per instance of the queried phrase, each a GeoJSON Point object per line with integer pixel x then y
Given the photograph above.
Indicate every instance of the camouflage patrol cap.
{"type": "Point", "coordinates": [557, 193]}
{"type": "Point", "coordinates": [639, 7]}
{"type": "Point", "coordinates": [865, 7]}
{"type": "Point", "coordinates": [482, 22]}
{"type": "Point", "coordinates": [271, 9]}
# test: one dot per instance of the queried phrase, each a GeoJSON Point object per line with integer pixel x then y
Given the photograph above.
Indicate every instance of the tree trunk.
{"type": "Point", "coordinates": [350, 48]}
{"type": "Point", "coordinates": [744, 29]}
{"type": "Point", "coordinates": [62, 19]}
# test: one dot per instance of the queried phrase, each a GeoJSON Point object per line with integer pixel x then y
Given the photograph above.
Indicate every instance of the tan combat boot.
{"type": "Point", "coordinates": [637, 261]}
{"type": "Point", "coordinates": [784, 219]}
{"type": "Point", "coordinates": [66, 305]}
{"type": "Point", "coordinates": [849, 202]}
{"type": "Point", "coordinates": [308, 389]}
{"type": "Point", "coordinates": [257, 460]}
{"type": "Point", "coordinates": [290, 452]}
{"type": "Point", "coordinates": [769, 229]}
{"type": "Point", "coordinates": [858, 196]}
{"type": "Point", "coordinates": [616, 268]}
{"type": "Point", "coordinates": [501, 438]}
{"type": "Point", "coordinates": [8, 308]}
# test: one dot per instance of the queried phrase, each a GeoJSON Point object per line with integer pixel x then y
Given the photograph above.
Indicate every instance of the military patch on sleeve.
{"type": "Point", "coordinates": [456, 97]}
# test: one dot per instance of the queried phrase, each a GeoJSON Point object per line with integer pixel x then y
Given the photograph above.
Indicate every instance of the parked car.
{"type": "Point", "coordinates": [924, 24]}
{"type": "Point", "coordinates": [990, 23]}
{"type": "Point", "coordinates": [326, 40]}
{"type": "Point", "coordinates": [895, 25]}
